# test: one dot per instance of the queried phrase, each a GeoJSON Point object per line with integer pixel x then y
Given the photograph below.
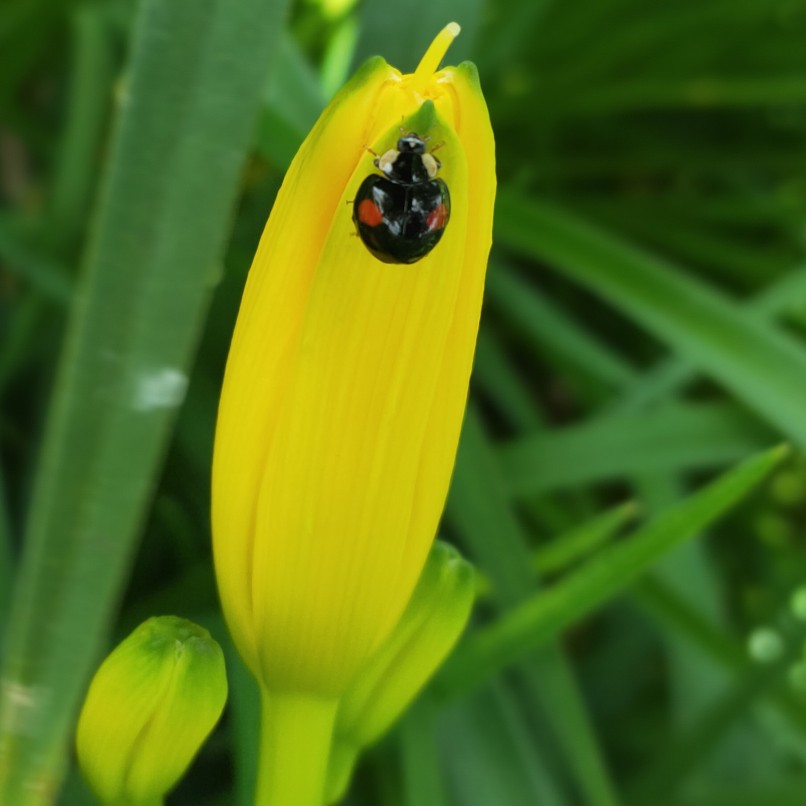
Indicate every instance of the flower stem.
{"type": "Point", "coordinates": [343, 756]}
{"type": "Point", "coordinates": [296, 732]}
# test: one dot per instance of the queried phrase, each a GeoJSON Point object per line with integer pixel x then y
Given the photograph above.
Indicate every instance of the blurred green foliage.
{"type": "Point", "coordinates": [644, 330]}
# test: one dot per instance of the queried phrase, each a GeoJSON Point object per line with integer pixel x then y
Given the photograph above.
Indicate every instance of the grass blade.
{"type": "Point", "coordinates": [762, 366]}
{"type": "Point", "coordinates": [419, 759]}
{"type": "Point", "coordinates": [479, 508]}
{"type": "Point", "coordinates": [92, 76]}
{"type": "Point", "coordinates": [785, 296]}
{"type": "Point", "coordinates": [675, 614]}
{"type": "Point", "coordinates": [548, 327]}
{"type": "Point", "coordinates": [686, 751]}
{"type": "Point", "coordinates": [491, 755]}
{"type": "Point", "coordinates": [675, 438]}
{"type": "Point", "coordinates": [544, 615]}
{"type": "Point", "coordinates": [43, 273]}
{"type": "Point", "coordinates": [496, 377]}
{"type": "Point", "coordinates": [189, 109]}
{"type": "Point", "coordinates": [572, 546]}
{"type": "Point", "coordinates": [6, 554]}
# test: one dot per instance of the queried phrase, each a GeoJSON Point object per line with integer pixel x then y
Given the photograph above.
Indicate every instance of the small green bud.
{"type": "Point", "coordinates": [427, 631]}
{"type": "Point", "coordinates": [149, 708]}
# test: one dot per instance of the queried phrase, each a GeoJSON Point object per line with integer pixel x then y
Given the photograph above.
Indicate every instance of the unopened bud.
{"type": "Point", "coordinates": [149, 708]}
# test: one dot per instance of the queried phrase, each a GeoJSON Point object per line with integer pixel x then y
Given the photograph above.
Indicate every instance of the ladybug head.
{"type": "Point", "coordinates": [412, 143]}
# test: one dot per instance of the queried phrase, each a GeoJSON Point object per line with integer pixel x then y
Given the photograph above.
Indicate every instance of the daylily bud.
{"type": "Point", "coordinates": [346, 385]}
{"type": "Point", "coordinates": [149, 708]}
{"type": "Point", "coordinates": [387, 684]}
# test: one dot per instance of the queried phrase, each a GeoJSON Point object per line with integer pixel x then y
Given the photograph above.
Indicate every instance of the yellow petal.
{"type": "Point", "coordinates": [265, 340]}
{"type": "Point", "coordinates": [346, 385]}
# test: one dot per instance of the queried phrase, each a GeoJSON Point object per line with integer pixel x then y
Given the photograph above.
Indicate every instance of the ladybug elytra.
{"type": "Point", "coordinates": [401, 214]}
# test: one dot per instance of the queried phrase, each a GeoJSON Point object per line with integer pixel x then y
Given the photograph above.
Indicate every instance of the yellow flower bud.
{"type": "Point", "coordinates": [346, 385]}
{"type": "Point", "coordinates": [387, 684]}
{"type": "Point", "coordinates": [149, 708]}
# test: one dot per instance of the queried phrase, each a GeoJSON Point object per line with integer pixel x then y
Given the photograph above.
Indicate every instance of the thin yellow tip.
{"type": "Point", "coordinates": [429, 64]}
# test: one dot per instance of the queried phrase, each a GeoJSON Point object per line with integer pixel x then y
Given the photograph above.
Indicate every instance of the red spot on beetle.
{"type": "Point", "coordinates": [437, 218]}
{"type": "Point", "coordinates": [369, 213]}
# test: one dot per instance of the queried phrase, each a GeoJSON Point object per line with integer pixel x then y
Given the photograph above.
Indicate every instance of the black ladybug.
{"type": "Point", "coordinates": [401, 215]}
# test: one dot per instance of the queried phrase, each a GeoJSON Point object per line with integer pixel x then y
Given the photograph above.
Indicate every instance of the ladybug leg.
{"type": "Point", "coordinates": [436, 148]}
{"type": "Point", "coordinates": [374, 154]}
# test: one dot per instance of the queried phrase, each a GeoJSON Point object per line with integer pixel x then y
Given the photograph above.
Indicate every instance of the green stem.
{"type": "Point", "coordinates": [296, 733]}
{"type": "Point", "coordinates": [343, 756]}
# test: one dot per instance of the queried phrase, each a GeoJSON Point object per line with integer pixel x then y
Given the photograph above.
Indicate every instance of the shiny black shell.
{"type": "Point", "coordinates": [401, 216]}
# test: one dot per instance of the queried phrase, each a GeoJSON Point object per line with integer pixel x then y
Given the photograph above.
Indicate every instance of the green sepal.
{"type": "Point", "coordinates": [428, 629]}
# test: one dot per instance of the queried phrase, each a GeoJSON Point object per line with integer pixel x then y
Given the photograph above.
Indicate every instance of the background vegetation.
{"type": "Point", "coordinates": [644, 331]}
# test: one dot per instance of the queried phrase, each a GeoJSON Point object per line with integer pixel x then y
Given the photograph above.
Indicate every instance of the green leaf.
{"type": "Point", "coordinates": [786, 295]}
{"type": "Point", "coordinates": [762, 366]}
{"type": "Point", "coordinates": [479, 508]}
{"type": "Point", "coordinates": [244, 706]}
{"type": "Point", "coordinates": [707, 91]}
{"type": "Point", "coordinates": [496, 376]}
{"type": "Point", "coordinates": [492, 756]}
{"type": "Point", "coordinates": [293, 101]}
{"type": "Point", "coordinates": [549, 327]}
{"type": "Point", "coordinates": [43, 273]}
{"type": "Point", "coordinates": [188, 108]}
{"type": "Point", "coordinates": [540, 618]}
{"type": "Point", "coordinates": [6, 554]}
{"type": "Point", "coordinates": [685, 752]}
{"type": "Point", "coordinates": [570, 547]}
{"type": "Point", "coordinates": [406, 34]}
{"type": "Point", "coordinates": [675, 438]}
{"type": "Point", "coordinates": [419, 759]}
{"type": "Point", "coordinates": [677, 617]}
{"type": "Point", "coordinates": [91, 87]}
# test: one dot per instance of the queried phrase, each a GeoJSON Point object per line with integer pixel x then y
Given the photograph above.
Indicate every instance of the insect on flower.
{"type": "Point", "coordinates": [401, 215]}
